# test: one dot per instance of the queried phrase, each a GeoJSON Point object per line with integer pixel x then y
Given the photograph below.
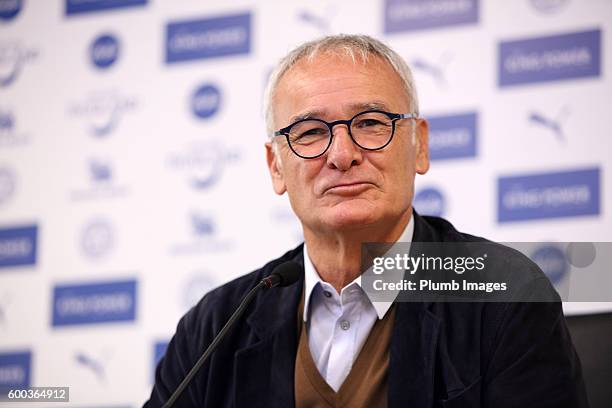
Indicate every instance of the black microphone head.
{"type": "Point", "coordinates": [287, 273]}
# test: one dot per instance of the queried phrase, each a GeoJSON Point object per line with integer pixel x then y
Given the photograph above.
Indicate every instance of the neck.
{"type": "Point", "coordinates": [336, 255]}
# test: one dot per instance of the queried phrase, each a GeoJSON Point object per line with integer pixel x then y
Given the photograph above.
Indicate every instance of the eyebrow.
{"type": "Point", "coordinates": [374, 105]}
{"type": "Point", "coordinates": [354, 107]}
{"type": "Point", "coordinates": [314, 114]}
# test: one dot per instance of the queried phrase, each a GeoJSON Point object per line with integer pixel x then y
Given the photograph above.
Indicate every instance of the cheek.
{"type": "Point", "coordinates": [401, 173]}
{"type": "Point", "coordinates": [300, 178]}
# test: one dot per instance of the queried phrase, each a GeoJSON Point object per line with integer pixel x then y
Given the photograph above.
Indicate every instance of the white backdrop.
{"type": "Point", "coordinates": [132, 167]}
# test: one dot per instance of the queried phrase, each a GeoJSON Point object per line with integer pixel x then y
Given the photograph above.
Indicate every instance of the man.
{"type": "Point", "coordinates": [346, 145]}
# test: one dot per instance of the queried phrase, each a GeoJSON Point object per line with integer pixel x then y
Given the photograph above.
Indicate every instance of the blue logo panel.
{"type": "Point", "coordinates": [549, 195]}
{"type": "Point", "coordinates": [208, 38]}
{"type": "Point", "coordinates": [15, 371]}
{"type": "Point", "coordinates": [551, 259]}
{"type": "Point", "coordinates": [206, 101]}
{"type": "Point", "coordinates": [104, 51]}
{"type": "Point", "coordinates": [89, 6]}
{"type": "Point", "coordinates": [7, 119]}
{"type": "Point", "coordinates": [18, 246]}
{"type": "Point", "coordinates": [430, 201]}
{"type": "Point", "coordinates": [410, 15]}
{"type": "Point", "coordinates": [159, 349]}
{"type": "Point", "coordinates": [452, 136]}
{"type": "Point", "coordinates": [94, 303]}
{"type": "Point", "coordinates": [552, 58]}
{"type": "Point", "coordinates": [9, 9]}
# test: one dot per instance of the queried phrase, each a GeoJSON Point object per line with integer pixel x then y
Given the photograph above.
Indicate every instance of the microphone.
{"type": "Point", "coordinates": [282, 275]}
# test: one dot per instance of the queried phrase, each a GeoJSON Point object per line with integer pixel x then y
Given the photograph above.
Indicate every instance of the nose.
{"type": "Point", "coordinates": [343, 152]}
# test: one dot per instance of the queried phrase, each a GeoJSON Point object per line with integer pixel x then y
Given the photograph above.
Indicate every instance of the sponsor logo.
{"type": "Point", "coordinates": [548, 195]}
{"type": "Point", "coordinates": [15, 371]}
{"type": "Point", "coordinates": [435, 70]}
{"type": "Point", "coordinates": [100, 171]}
{"type": "Point", "coordinates": [551, 58]}
{"type": "Point", "coordinates": [203, 163]}
{"type": "Point", "coordinates": [410, 15]}
{"type": "Point", "coordinates": [18, 246]}
{"type": "Point", "coordinates": [202, 225]}
{"type": "Point", "coordinates": [102, 111]}
{"type": "Point", "coordinates": [94, 303]}
{"type": "Point", "coordinates": [553, 125]}
{"type": "Point", "coordinates": [196, 286]}
{"type": "Point", "coordinates": [9, 9]}
{"type": "Point", "coordinates": [104, 51]}
{"type": "Point", "coordinates": [97, 238]}
{"type": "Point", "coordinates": [7, 184]}
{"type": "Point", "coordinates": [92, 364]}
{"type": "Point", "coordinates": [452, 136]}
{"type": "Point", "coordinates": [7, 121]}
{"type": "Point", "coordinates": [321, 21]}
{"type": "Point", "coordinates": [101, 184]}
{"type": "Point", "coordinates": [430, 201]}
{"type": "Point", "coordinates": [551, 259]}
{"type": "Point", "coordinates": [208, 38]}
{"type": "Point", "coordinates": [9, 137]}
{"type": "Point", "coordinates": [204, 237]}
{"type": "Point", "coordinates": [90, 6]}
{"type": "Point", "coordinates": [549, 6]}
{"type": "Point", "coordinates": [205, 101]}
{"type": "Point", "coordinates": [14, 56]}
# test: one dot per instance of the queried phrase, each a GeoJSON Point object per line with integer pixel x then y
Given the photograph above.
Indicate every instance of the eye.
{"type": "Point", "coordinates": [308, 131]}
{"type": "Point", "coordinates": [368, 122]}
{"type": "Point", "coordinates": [313, 132]}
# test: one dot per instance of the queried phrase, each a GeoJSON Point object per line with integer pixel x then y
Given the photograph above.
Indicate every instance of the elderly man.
{"type": "Point", "coordinates": [346, 143]}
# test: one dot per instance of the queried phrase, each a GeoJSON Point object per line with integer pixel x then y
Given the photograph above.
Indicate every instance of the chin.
{"type": "Point", "coordinates": [356, 215]}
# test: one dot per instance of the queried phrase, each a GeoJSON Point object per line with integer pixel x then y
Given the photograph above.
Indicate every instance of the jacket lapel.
{"type": "Point", "coordinates": [414, 341]}
{"type": "Point", "coordinates": [412, 356]}
{"type": "Point", "coordinates": [265, 369]}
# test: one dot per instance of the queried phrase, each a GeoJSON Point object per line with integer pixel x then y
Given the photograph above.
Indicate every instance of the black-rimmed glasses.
{"type": "Point", "coordinates": [370, 130]}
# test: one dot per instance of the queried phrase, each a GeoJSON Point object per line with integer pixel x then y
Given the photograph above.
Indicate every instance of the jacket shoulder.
{"type": "Point", "coordinates": [502, 257]}
{"type": "Point", "coordinates": [221, 302]}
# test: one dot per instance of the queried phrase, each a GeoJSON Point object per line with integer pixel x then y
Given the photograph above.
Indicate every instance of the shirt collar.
{"type": "Point", "coordinates": [312, 278]}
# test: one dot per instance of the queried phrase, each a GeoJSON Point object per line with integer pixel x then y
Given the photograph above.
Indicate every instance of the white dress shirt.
{"type": "Point", "coordinates": [339, 324]}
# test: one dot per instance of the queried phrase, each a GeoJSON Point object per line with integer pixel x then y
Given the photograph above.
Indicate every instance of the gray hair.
{"type": "Point", "coordinates": [352, 46]}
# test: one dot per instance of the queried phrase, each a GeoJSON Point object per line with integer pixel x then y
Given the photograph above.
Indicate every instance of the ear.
{"type": "Point", "coordinates": [276, 170]}
{"type": "Point", "coordinates": [422, 146]}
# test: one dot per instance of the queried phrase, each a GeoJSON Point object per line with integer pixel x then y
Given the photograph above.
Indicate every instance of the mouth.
{"type": "Point", "coordinates": [349, 189]}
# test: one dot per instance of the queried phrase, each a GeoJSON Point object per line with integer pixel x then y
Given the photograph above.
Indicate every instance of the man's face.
{"type": "Point", "coordinates": [347, 187]}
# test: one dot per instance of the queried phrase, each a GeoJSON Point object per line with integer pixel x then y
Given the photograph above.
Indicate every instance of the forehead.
{"type": "Point", "coordinates": [331, 85]}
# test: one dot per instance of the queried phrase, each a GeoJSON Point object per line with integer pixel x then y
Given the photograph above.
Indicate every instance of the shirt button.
{"type": "Point", "coordinates": [327, 294]}
{"type": "Point", "coordinates": [345, 325]}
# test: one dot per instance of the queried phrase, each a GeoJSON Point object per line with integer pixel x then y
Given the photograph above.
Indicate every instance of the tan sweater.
{"type": "Point", "coordinates": [366, 383]}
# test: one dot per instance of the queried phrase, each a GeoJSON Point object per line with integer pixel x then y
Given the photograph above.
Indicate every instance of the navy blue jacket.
{"type": "Point", "coordinates": [442, 354]}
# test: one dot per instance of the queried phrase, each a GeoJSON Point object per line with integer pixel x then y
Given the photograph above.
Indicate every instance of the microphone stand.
{"type": "Point", "coordinates": [265, 283]}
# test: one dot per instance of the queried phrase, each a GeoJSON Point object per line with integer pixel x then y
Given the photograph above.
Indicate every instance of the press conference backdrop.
{"type": "Point", "coordinates": [132, 170]}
